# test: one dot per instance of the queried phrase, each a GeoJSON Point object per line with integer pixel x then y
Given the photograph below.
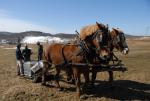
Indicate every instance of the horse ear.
{"type": "Point", "coordinates": [115, 30]}
{"type": "Point", "coordinates": [97, 23]}
{"type": "Point", "coordinates": [107, 26]}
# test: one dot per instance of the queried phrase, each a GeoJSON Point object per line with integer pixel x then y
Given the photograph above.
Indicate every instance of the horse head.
{"type": "Point", "coordinates": [118, 41]}
{"type": "Point", "coordinates": [96, 38]}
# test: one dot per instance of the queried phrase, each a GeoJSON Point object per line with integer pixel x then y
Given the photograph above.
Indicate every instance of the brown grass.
{"type": "Point", "coordinates": [131, 85]}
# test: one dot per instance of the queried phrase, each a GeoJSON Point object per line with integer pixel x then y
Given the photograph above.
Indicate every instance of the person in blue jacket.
{"type": "Point", "coordinates": [19, 58]}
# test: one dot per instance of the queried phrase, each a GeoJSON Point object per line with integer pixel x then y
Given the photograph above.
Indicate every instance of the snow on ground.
{"type": "Point", "coordinates": [43, 39]}
{"type": "Point", "coordinates": [142, 38]}
{"type": "Point", "coordinates": [14, 48]}
{"type": "Point", "coordinates": [145, 38]}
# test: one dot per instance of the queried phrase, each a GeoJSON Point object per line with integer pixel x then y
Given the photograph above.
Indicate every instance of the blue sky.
{"type": "Point", "coordinates": [54, 16]}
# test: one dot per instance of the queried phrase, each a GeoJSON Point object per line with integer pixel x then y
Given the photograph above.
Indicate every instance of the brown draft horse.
{"type": "Point", "coordinates": [60, 55]}
{"type": "Point", "coordinates": [117, 41]}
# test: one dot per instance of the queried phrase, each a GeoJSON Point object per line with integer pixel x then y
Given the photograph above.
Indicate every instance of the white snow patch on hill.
{"type": "Point", "coordinates": [42, 39]}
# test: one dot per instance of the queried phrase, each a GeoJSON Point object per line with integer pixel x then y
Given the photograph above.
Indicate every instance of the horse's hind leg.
{"type": "Point", "coordinates": [94, 73]}
{"type": "Point", "coordinates": [43, 79]}
{"type": "Point", "coordinates": [57, 79]}
{"type": "Point", "coordinates": [70, 76]}
{"type": "Point", "coordinates": [110, 76]}
{"type": "Point", "coordinates": [77, 81]}
{"type": "Point", "coordinates": [44, 70]}
{"type": "Point", "coordinates": [69, 73]}
{"type": "Point", "coordinates": [86, 76]}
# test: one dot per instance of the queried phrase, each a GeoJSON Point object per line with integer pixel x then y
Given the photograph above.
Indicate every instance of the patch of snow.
{"type": "Point", "coordinates": [144, 38]}
{"type": "Point", "coordinates": [1, 46]}
{"type": "Point", "coordinates": [15, 48]}
{"type": "Point", "coordinates": [42, 39]}
{"type": "Point", "coordinates": [10, 48]}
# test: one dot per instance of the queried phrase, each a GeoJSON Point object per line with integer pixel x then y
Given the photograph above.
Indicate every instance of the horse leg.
{"type": "Point", "coordinates": [44, 76]}
{"type": "Point", "coordinates": [73, 79]}
{"type": "Point", "coordinates": [69, 73]}
{"type": "Point", "coordinates": [77, 81]}
{"type": "Point", "coordinates": [45, 68]}
{"type": "Point", "coordinates": [70, 76]}
{"type": "Point", "coordinates": [94, 73]}
{"type": "Point", "coordinates": [43, 80]}
{"type": "Point", "coordinates": [110, 76]}
{"type": "Point", "coordinates": [57, 79]}
{"type": "Point", "coordinates": [86, 76]}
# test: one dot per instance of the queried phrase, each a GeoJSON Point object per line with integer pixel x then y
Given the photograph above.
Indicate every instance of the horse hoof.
{"type": "Point", "coordinates": [111, 80]}
{"type": "Point", "coordinates": [60, 89]}
{"type": "Point", "coordinates": [83, 97]}
{"type": "Point", "coordinates": [73, 81]}
{"type": "Point", "coordinates": [43, 84]}
{"type": "Point", "coordinates": [35, 80]}
{"type": "Point", "coordinates": [68, 79]}
{"type": "Point", "coordinates": [92, 85]}
{"type": "Point", "coordinates": [78, 95]}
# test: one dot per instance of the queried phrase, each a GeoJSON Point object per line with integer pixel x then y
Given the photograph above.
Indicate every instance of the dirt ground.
{"type": "Point", "coordinates": [131, 85]}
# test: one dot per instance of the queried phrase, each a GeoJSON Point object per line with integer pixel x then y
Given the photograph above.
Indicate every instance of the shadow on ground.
{"type": "Point", "coordinates": [120, 90]}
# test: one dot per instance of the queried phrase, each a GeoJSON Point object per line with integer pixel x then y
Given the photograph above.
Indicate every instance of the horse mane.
{"type": "Point", "coordinates": [89, 30]}
{"type": "Point", "coordinates": [117, 29]}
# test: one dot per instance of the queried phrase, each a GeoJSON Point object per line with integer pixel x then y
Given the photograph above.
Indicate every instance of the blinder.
{"type": "Point", "coordinates": [102, 38]}
{"type": "Point", "coordinates": [120, 40]}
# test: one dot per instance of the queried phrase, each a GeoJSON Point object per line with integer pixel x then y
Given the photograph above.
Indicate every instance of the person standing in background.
{"type": "Point", "coordinates": [26, 53]}
{"type": "Point", "coordinates": [40, 51]}
{"type": "Point", "coordinates": [19, 58]}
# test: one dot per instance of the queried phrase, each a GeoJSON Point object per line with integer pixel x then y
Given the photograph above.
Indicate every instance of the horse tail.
{"type": "Point", "coordinates": [46, 57]}
{"type": "Point", "coordinates": [66, 61]}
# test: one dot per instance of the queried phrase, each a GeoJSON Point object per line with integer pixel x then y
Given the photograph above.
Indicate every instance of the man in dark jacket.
{"type": "Point", "coordinates": [26, 53]}
{"type": "Point", "coordinates": [19, 57]}
{"type": "Point", "coordinates": [40, 51]}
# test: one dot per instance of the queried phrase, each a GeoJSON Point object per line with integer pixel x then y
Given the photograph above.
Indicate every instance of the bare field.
{"type": "Point", "coordinates": [131, 85]}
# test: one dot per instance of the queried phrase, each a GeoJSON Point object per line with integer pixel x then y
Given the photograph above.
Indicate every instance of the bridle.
{"type": "Point", "coordinates": [102, 38]}
{"type": "Point", "coordinates": [118, 40]}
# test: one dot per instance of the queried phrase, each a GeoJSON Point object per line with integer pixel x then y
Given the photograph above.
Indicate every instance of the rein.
{"type": "Point", "coordinates": [83, 45]}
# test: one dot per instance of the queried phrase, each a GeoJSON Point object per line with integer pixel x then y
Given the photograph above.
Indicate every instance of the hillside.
{"type": "Point", "coordinates": [13, 37]}
{"type": "Point", "coordinates": [8, 37]}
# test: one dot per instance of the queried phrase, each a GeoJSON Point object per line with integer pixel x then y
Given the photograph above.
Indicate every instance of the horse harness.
{"type": "Point", "coordinates": [86, 51]}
